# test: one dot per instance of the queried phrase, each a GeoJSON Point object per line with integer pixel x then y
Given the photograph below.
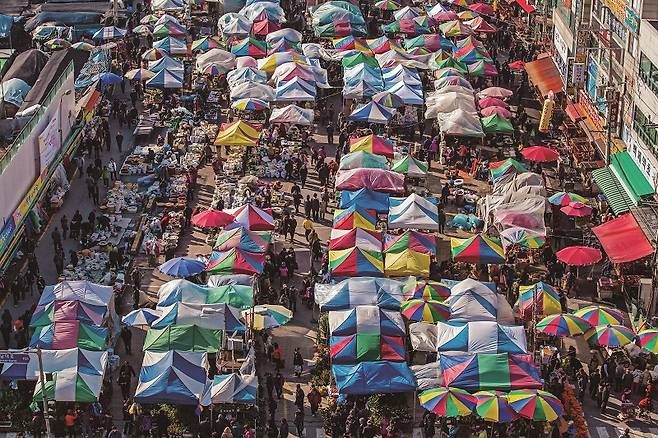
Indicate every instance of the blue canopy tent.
{"type": "Point", "coordinates": [471, 300]}
{"type": "Point", "coordinates": [480, 337]}
{"type": "Point", "coordinates": [208, 316]}
{"type": "Point", "coordinates": [232, 388]}
{"type": "Point", "coordinates": [165, 79]}
{"type": "Point", "coordinates": [374, 377]}
{"type": "Point", "coordinates": [365, 198]}
{"type": "Point", "coordinates": [294, 90]}
{"type": "Point", "coordinates": [372, 112]}
{"type": "Point", "coordinates": [356, 291]}
{"type": "Point", "coordinates": [174, 377]}
{"type": "Point", "coordinates": [168, 63]}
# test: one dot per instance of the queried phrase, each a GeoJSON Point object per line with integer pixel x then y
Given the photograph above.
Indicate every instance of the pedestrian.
{"type": "Point", "coordinates": [279, 383]}
{"type": "Point", "coordinates": [303, 174]}
{"type": "Point", "coordinates": [119, 139]}
{"type": "Point", "coordinates": [64, 221]}
{"type": "Point", "coordinates": [114, 432]}
{"type": "Point", "coordinates": [38, 424]}
{"type": "Point", "coordinates": [106, 176]}
{"type": "Point", "coordinates": [594, 379]}
{"type": "Point", "coordinates": [308, 226]}
{"type": "Point", "coordinates": [58, 260]}
{"type": "Point", "coordinates": [112, 166]}
{"type": "Point", "coordinates": [5, 327]}
{"type": "Point", "coordinates": [69, 421]}
{"type": "Point", "coordinates": [249, 431]}
{"type": "Point", "coordinates": [604, 395]}
{"type": "Point", "coordinates": [126, 337]}
{"type": "Point", "coordinates": [315, 207]}
{"type": "Point", "coordinates": [269, 385]}
{"type": "Point", "coordinates": [314, 399]}
{"type": "Point", "coordinates": [126, 373]}
{"type": "Point", "coordinates": [330, 133]}
{"type": "Point", "coordinates": [299, 422]}
{"type": "Point", "coordinates": [57, 239]}
{"type": "Point", "coordinates": [442, 220]}
{"type": "Point", "coordinates": [187, 214]}
{"type": "Point", "coordinates": [277, 357]}
{"type": "Point", "coordinates": [297, 361]}
{"type": "Point", "coordinates": [96, 195]}
{"type": "Point", "coordinates": [283, 429]}
{"type": "Point", "coordinates": [299, 397]}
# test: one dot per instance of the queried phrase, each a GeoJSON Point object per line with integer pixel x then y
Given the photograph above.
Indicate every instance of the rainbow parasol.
{"type": "Point", "coordinates": [535, 404]}
{"type": "Point", "coordinates": [566, 198]}
{"type": "Point", "coordinates": [250, 104]}
{"type": "Point", "coordinates": [563, 324]}
{"type": "Point", "coordinates": [600, 315]}
{"type": "Point", "coordinates": [387, 5]}
{"type": "Point", "coordinates": [614, 336]}
{"type": "Point", "coordinates": [478, 249]}
{"type": "Point", "coordinates": [266, 317]}
{"type": "Point", "coordinates": [545, 298]}
{"type": "Point", "coordinates": [521, 236]}
{"type": "Point", "coordinates": [648, 340]}
{"type": "Point", "coordinates": [425, 310]}
{"type": "Point", "coordinates": [494, 406]}
{"type": "Point", "coordinates": [448, 402]}
{"type": "Point", "coordinates": [426, 290]}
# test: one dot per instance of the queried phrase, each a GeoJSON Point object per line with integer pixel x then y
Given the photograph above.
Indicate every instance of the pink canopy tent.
{"type": "Point", "coordinates": [380, 180]}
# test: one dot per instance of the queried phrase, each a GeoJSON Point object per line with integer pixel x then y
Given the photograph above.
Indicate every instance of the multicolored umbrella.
{"type": "Point", "coordinates": [492, 101]}
{"type": "Point", "coordinates": [142, 30]}
{"type": "Point", "coordinates": [462, 3]}
{"type": "Point", "coordinates": [448, 402]}
{"type": "Point", "coordinates": [545, 298]}
{"type": "Point", "coordinates": [425, 310]}
{"type": "Point", "coordinates": [235, 261]}
{"type": "Point", "coordinates": [563, 324]}
{"type": "Point", "coordinates": [576, 209]}
{"type": "Point", "coordinates": [493, 406]}
{"type": "Point", "coordinates": [153, 54]}
{"type": "Point", "coordinates": [600, 315]}
{"type": "Point", "coordinates": [522, 237]}
{"type": "Point", "coordinates": [478, 24]}
{"type": "Point", "coordinates": [250, 104]}
{"type": "Point", "coordinates": [141, 318]}
{"type": "Point", "coordinates": [566, 198]}
{"type": "Point", "coordinates": [467, 15]}
{"type": "Point", "coordinates": [83, 46]}
{"type": "Point", "coordinates": [212, 219]}
{"type": "Point", "coordinates": [57, 43]}
{"type": "Point", "coordinates": [206, 43]}
{"type": "Point", "coordinates": [182, 267]}
{"type": "Point", "coordinates": [356, 262]}
{"type": "Point", "coordinates": [426, 290]}
{"type": "Point", "coordinates": [478, 249]}
{"type": "Point", "coordinates": [459, 67]}
{"type": "Point", "coordinates": [482, 68]}
{"type": "Point", "coordinates": [139, 74]}
{"type": "Point", "coordinates": [373, 144]}
{"type": "Point", "coordinates": [579, 255]}
{"type": "Point", "coordinates": [535, 404]}
{"type": "Point", "coordinates": [614, 336]}
{"type": "Point", "coordinates": [109, 33]}
{"type": "Point", "coordinates": [516, 65]}
{"type": "Point", "coordinates": [509, 166]}
{"type": "Point", "coordinates": [388, 99]}
{"type": "Point", "coordinates": [648, 339]}
{"type": "Point", "coordinates": [169, 29]}
{"type": "Point", "coordinates": [387, 5]}
{"type": "Point", "coordinates": [540, 154]}
{"type": "Point", "coordinates": [266, 316]}
{"type": "Point", "coordinates": [410, 166]}
{"type": "Point", "coordinates": [454, 28]}
{"type": "Point", "coordinates": [445, 16]}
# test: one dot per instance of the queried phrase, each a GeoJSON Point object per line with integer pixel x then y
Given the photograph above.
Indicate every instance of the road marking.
{"type": "Point", "coordinates": [602, 432]}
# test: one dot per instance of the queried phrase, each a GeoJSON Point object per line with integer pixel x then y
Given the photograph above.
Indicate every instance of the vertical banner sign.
{"type": "Point", "coordinates": [578, 76]}
{"type": "Point", "coordinates": [7, 233]}
{"type": "Point", "coordinates": [546, 114]}
{"type": "Point", "coordinates": [49, 141]}
{"type": "Point", "coordinates": [613, 97]}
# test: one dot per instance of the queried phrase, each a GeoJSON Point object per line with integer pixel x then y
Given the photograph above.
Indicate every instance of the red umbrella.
{"type": "Point", "coordinates": [579, 255]}
{"type": "Point", "coordinates": [541, 154]}
{"type": "Point", "coordinates": [482, 8]}
{"type": "Point", "coordinates": [492, 101]}
{"type": "Point", "coordinates": [264, 27]}
{"type": "Point", "coordinates": [212, 219]}
{"type": "Point", "coordinates": [577, 209]}
{"type": "Point", "coordinates": [496, 110]}
{"type": "Point", "coordinates": [446, 16]}
{"type": "Point", "coordinates": [516, 65]}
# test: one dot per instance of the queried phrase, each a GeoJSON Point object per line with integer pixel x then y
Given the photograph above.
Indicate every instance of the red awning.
{"type": "Point", "coordinates": [525, 6]}
{"type": "Point", "coordinates": [623, 240]}
{"type": "Point", "coordinates": [574, 113]}
{"type": "Point", "coordinates": [544, 74]}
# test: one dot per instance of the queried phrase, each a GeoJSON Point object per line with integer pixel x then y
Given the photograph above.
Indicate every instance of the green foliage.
{"type": "Point", "coordinates": [334, 417]}
{"type": "Point", "coordinates": [389, 406]}
{"type": "Point", "coordinates": [15, 405]}
{"type": "Point", "coordinates": [321, 374]}
{"type": "Point", "coordinates": [177, 418]}
{"type": "Point", "coordinates": [323, 329]}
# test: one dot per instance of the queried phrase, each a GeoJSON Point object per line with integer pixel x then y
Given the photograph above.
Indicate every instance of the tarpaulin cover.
{"type": "Point", "coordinates": [374, 377]}
{"type": "Point", "coordinates": [84, 361]}
{"type": "Point", "coordinates": [233, 388]}
{"type": "Point", "coordinates": [460, 123]}
{"type": "Point", "coordinates": [183, 338]}
{"type": "Point", "coordinates": [69, 334]}
{"type": "Point", "coordinates": [407, 262]}
{"type": "Point", "coordinates": [62, 19]}
{"type": "Point", "coordinates": [366, 320]}
{"type": "Point", "coordinates": [382, 292]}
{"type": "Point", "coordinates": [365, 198]}
{"type": "Point", "coordinates": [488, 371]}
{"type": "Point", "coordinates": [208, 316]}
{"type": "Point", "coordinates": [175, 377]}
{"type": "Point", "coordinates": [623, 240]}
{"type": "Point", "coordinates": [544, 75]}
{"type": "Point", "coordinates": [375, 179]}
{"type": "Point", "coordinates": [480, 337]}
{"type": "Point", "coordinates": [366, 347]}
{"type": "Point", "coordinates": [471, 300]}
{"type": "Point", "coordinates": [79, 290]}
{"type": "Point", "coordinates": [414, 211]}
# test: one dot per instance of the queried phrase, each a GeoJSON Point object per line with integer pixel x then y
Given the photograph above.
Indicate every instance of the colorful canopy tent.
{"type": "Point", "coordinates": [140, 318]}
{"type": "Point", "coordinates": [207, 316]}
{"type": "Point", "coordinates": [489, 371]}
{"type": "Point", "coordinates": [240, 237]}
{"type": "Point", "coordinates": [168, 29]}
{"type": "Point", "coordinates": [509, 166]}
{"type": "Point", "coordinates": [372, 113]}
{"type": "Point", "coordinates": [374, 377]}
{"type": "Point", "coordinates": [357, 237]}
{"type": "Point", "coordinates": [381, 180]}
{"type": "Point", "coordinates": [539, 300]}
{"type": "Point", "coordinates": [414, 211]}
{"type": "Point", "coordinates": [410, 166]}
{"type": "Point", "coordinates": [425, 289]}
{"type": "Point", "coordinates": [365, 198]}
{"type": "Point", "coordinates": [233, 24]}
{"type": "Point", "coordinates": [166, 79]}
{"type": "Point", "coordinates": [366, 347]}
{"type": "Point", "coordinates": [359, 291]}
{"type": "Point", "coordinates": [223, 60]}
{"type": "Point", "coordinates": [623, 240]}
{"type": "Point", "coordinates": [235, 261]}
{"type": "Point", "coordinates": [521, 236]}
{"type": "Point", "coordinates": [410, 95]}
{"type": "Point", "coordinates": [245, 74]}
{"type": "Point", "coordinates": [78, 290]}
{"type": "Point", "coordinates": [480, 337]}
{"type": "Point", "coordinates": [253, 218]}
{"type": "Point", "coordinates": [361, 89]}
{"type": "Point", "coordinates": [354, 217]}
{"type": "Point", "coordinates": [266, 316]}
{"type": "Point", "coordinates": [292, 115]}
{"type": "Point", "coordinates": [254, 90]}
{"type": "Point", "coordinates": [460, 123]}
{"type": "Point", "coordinates": [109, 33]}
{"type": "Point", "coordinates": [249, 46]}
{"type": "Point", "coordinates": [171, 45]}
{"type": "Point", "coordinates": [407, 262]}
{"type": "Point", "coordinates": [167, 63]}
{"type": "Point", "coordinates": [70, 386]}
{"type": "Point", "coordinates": [62, 335]}
{"type": "Point", "coordinates": [271, 62]}
{"type": "Point", "coordinates": [388, 99]}
{"type": "Point", "coordinates": [264, 10]}
{"type": "Point", "coordinates": [183, 338]}
{"type": "Point", "coordinates": [187, 292]}
{"type": "Point", "coordinates": [265, 27]}
{"type": "Point", "coordinates": [496, 124]}
{"type": "Point", "coordinates": [206, 43]}
{"type": "Point", "coordinates": [56, 311]}
{"type": "Point", "coordinates": [373, 144]}
{"type": "Point", "coordinates": [232, 388]}
{"type": "Point", "coordinates": [237, 134]}
{"type": "Point", "coordinates": [355, 262]}
{"type": "Point", "coordinates": [73, 359]}
{"type": "Point", "coordinates": [364, 160]}
{"type": "Point", "coordinates": [413, 240]}
{"type": "Point", "coordinates": [175, 377]}
{"type": "Point", "coordinates": [295, 90]}
{"type": "Point", "coordinates": [478, 249]}
{"type": "Point", "coordinates": [366, 320]}
{"type": "Point", "coordinates": [471, 300]}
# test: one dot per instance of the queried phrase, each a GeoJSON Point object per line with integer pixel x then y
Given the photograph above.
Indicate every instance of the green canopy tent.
{"type": "Point", "coordinates": [496, 124]}
{"type": "Point", "coordinates": [183, 338]}
{"type": "Point", "coordinates": [70, 386]}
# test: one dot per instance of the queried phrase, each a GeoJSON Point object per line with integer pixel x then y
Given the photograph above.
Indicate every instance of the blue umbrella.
{"type": "Point", "coordinates": [109, 78]}
{"type": "Point", "coordinates": [182, 267]}
{"type": "Point", "coordinates": [372, 113]}
{"type": "Point", "coordinates": [140, 318]}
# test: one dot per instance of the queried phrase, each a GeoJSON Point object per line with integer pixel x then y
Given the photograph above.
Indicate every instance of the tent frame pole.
{"type": "Point", "coordinates": [42, 378]}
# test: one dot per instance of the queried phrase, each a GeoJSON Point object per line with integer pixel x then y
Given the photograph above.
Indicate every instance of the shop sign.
{"type": "Point", "coordinates": [560, 45]}
{"type": "Point", "coordinates": [624, 13]}
{"type": "Point", "coordinates": [582, 41]}
{"type": "Point", "coordinates": [592, 112]}
{"type": "Point", "coordinates": [28, 200]}
{"type": "Point", "coordinates": [612, 98]}
{"type": "Point", "coordinates": [578, 73]}
{"type": "Point", "coordinates": [632, 20]}
{"type": "Point", "coordinates": [6, 234]}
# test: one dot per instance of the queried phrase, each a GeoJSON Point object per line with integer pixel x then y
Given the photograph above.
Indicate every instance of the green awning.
{"type": "Point", "coordinates": [613, 189]}
{"type": "Point", "coordinates": [631, 175]}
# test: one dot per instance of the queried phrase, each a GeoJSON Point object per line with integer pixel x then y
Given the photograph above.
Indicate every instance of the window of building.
{"type": "Point", "coordinates": [649, 73]}
{"type": "Point", "coordinates": [648, 135]}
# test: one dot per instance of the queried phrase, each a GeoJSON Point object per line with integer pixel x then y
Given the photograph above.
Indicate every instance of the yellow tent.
{"type": "Point", "coordinates": [237, 134]}
{"type": "Point", "coordinates": [407, 262]}
{"type": "Point", "coordinates": [270, 63]}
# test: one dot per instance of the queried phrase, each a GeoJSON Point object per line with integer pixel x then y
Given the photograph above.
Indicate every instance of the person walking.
{"type": "Point", "coordinates": [126, 337]}
{"type": "Point", "coordinates": [106, 176]}
{"type": "Point", "coordinates": [299, 397]}
{"type": "Point", "coordinates": [278, 383]}
{"type": "Point", "coordinates": [442, 220]}
{"type": "Point", "coordinates": [58, 260]}
{"type": "Point", "coordinates": [299, 423]}
{"type": "Point", "coordinates": [64, 222]}
{"type": "Point", "coordinates": [330, 133]}
{"type": "Point", "coordinates": [277, 357]}
{"type": "Point", "coordinates": [119, 139]}
{"type": "Point", "coordinates": [314, 399]}
{"type": "Point", "coordinates": [284, 429]}
{"type": "Point", "coordinates": [308, 227]}
{"type": "Point", "coordinates": [5, 327]}
{"type": "Point", "coordinates": [315, 207]}
{"type": "Point", "coordinates": [57, 239]}
{"type": "Point", "coordinates": [126, 373]}
{"type": "Point", "coordinates": [298, 362]}
{"type": "Point", "coordinates": [112, 166]}
{"type": "Point", "coordinates": [604, 395]}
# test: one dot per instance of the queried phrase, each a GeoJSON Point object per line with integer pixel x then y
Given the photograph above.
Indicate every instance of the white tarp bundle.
{"type": "Point", "coordinates": [460, 123]}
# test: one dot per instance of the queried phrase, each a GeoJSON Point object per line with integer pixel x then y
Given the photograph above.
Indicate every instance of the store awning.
{"type": "Point", "coordinates": [574, 113]}
{"type": "Point", "coordinates": [623, 239]}
{"type": "Point", "coordinates": [617, 196]}
{"type": "Point", "coordinates": [544, 75]}
{"type": "Point", "coordinates": [525, 6]}
{"type": "Point", "coordinates": [627, 170]}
